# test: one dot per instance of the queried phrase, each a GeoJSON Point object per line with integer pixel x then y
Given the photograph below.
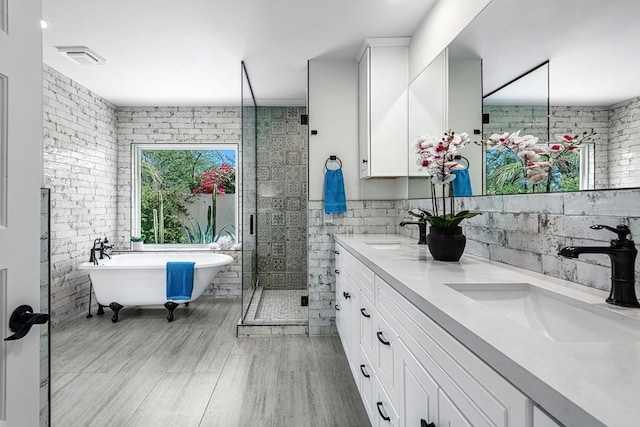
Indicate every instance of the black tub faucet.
{"type": "Point", "coordinates": [622, 252]}
{"type": "Point", "coordinates": [100, 246]}
{"type": "Point", "coordinates": [422, 227]}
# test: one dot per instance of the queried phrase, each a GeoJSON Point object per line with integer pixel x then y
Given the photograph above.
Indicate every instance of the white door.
{"type": "Point", "coordinates": [20, 178]}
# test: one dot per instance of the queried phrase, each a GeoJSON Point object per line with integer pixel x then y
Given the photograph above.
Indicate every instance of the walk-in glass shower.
{"type": "Point", "coordinates": [249, 193]}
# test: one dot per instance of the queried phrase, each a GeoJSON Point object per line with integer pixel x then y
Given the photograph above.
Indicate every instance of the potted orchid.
{"type": "Point", "coordinates": [438, 157]}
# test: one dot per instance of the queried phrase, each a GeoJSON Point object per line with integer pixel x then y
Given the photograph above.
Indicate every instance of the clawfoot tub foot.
{"type": "Point", "coordinates": [186, 304]}
{"type": "Point", "coordinates": [100, 310]}
{"type": "Point", "coordinates": [169, 305]}
{"type": "Point", "coordinates": [116, 309]}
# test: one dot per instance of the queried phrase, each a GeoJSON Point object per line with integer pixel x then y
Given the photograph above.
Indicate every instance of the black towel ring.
{"type": "Point", "coordinates": [465, 161]}
{"type": "Point", "coordinates": [333, 159]}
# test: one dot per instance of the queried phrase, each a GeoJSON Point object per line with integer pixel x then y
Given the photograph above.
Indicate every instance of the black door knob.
{"type": "Point", "coordinates": [22, 319]}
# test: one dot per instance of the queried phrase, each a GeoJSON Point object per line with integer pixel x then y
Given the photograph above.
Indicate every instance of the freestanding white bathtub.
{"type": "Point", "coordinates": [140, 279]}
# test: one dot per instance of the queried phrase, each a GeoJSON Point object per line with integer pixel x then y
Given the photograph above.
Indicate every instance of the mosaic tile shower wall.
{"type": "Point", "coordinates": [282, 198]}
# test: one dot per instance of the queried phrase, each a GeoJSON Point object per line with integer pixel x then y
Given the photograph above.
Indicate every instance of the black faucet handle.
{"type": "Point", "coordinates": [621, 230]}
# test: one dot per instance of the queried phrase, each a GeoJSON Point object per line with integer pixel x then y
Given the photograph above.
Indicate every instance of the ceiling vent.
{"type": "Point", "coordinates": [81, 55]}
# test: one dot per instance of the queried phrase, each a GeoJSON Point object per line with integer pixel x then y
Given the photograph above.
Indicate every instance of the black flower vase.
{"type": "Point", "coordinates": [446, 244]}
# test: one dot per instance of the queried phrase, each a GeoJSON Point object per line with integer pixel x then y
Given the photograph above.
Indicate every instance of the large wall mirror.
{"type": "Point", "coordinates": [592, 84]}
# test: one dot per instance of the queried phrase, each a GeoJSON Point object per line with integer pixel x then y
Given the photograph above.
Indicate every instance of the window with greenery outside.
{"type": "Point", "coordinates": [182, 192]}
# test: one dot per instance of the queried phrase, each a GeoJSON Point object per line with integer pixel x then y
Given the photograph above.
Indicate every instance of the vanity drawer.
{"type": "Point", "coordinates": [472, 387]}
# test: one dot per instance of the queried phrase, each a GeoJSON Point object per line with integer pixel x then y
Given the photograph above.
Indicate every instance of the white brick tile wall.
{"type": "Point", "coordinates": [80, 168]}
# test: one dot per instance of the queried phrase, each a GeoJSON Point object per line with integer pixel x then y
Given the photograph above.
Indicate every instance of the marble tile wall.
{"type": "Point", "coordinates": [527, 230]}
{"type": "Point", "coordinates": [362, 217]}
{"type": "Point", "coordinates": [282, 175]}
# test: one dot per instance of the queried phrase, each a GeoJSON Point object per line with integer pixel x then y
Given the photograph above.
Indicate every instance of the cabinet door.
{"type": "Point", "coordinates": [385, 355]}
{"type": "Point", "coordinates": [419, 392]}
{"type": "Point", "coordinates": [385, 415]}
{"type": "Point", "coordinates": [388, 139]}
{"type": "Point", "coordinates": [366, 317]}
{"type": "Point", "coordinates": [365, 381]}
{"type": "Point", "coordinates": [449, 414]}
{"type": "Point", "coordinates": [343, 313]}
{"type": "Point", "coordinates": [364, 112]}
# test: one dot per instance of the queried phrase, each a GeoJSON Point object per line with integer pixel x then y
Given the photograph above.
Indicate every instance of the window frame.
{"type": "Point", "coordinates": [136, 184]}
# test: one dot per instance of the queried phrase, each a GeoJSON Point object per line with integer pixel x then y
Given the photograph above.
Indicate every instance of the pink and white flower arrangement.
{"type": "Point", "coordinates": [437, 155]}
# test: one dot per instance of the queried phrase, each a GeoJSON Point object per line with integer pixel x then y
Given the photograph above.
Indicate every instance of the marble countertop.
{"type": "Point", "coordinates": [579, 383]}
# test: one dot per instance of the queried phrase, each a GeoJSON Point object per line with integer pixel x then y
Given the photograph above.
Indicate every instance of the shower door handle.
{"type": "Point", "coordinates": [250, 224]}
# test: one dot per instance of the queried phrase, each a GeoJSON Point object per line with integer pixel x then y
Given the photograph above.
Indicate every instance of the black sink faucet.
{"type": "Point", "coordinates": [622, 252]}
{"type": "Point", "coordinates": [422, 229]}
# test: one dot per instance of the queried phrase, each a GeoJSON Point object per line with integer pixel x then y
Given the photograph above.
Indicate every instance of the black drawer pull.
{"type": "Point", "coordinates": [346, 295]}
{"type": "Point", "coordinates": [384, 417]}
{"type": "Point", "coordinates": [366, 375]}
{"type": "Point", "coordinates": [336, 252]}
{"type": "Point", "coordinates": [365, 161]}
{"type": "Point", "coordinates": [423, 423]}
{"type": "Point", "coordinates": [382, 339]}
{"type": "Point", "coordinates": [364, 312]}
{"type": "Point", "coordinates": [337, 307]}
{"type": "Point", "coordinates": [337, 271]}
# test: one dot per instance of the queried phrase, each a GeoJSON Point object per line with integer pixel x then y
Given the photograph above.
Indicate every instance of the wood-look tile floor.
{"type": "Point", "coordinates": [145, 371]}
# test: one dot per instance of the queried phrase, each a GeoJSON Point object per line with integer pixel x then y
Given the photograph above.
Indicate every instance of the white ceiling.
{"type": "Point", "coordinates": [590, 45]}
{"type": "Point", "coordinates": [188, 52]}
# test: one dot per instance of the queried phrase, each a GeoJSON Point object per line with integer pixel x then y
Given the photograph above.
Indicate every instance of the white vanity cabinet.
{"type": "Point", "coordinates": [410, 372]}
{"type": "Point", "coordinates": [383, 79]}
{"type": "Point", "coordinates": [353, 279]}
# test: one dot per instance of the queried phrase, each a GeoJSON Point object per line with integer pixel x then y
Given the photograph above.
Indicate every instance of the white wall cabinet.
{"type": "Point", "coordinates": [409, 371]}
{"type": "Point", "coordinates": [383, 79]}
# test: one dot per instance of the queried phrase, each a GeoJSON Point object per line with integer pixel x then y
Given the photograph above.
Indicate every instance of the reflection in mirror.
{"type": "Point", "coordinates": [447, 95]}
{"type": "Point", "coordinates": [593, 80]}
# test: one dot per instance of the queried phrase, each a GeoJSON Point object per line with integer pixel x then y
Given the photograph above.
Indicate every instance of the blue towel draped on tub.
{"type": "Point", "coordinates": [462, 183]}
{"type": "Point", "coordinates": [334, 197]}
{"type": "Point", "coordinates": [179, 280]}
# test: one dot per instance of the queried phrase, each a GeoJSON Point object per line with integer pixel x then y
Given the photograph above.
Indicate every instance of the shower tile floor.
{"type": "Point", "coordinates": [277, 306]}
{"type": "Point", "coordinates": [282, 305]}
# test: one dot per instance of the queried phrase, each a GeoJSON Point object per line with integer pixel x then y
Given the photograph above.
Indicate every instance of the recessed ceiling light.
{"type": "Point", "coordinates": [81, 55]}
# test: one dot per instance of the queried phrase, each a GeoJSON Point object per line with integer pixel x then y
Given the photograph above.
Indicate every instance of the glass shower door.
{"type": "Point", "coordinates": [249, 193]}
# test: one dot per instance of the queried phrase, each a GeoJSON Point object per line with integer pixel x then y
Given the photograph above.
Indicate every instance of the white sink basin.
{"type": "Point", "coordinates": [557, 317]}
{"type": "Point", "coordinates": [384, 244]}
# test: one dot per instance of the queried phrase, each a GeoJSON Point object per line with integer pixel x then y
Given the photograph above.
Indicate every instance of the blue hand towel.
{"type": "Point", "coordinates": [179, 280]}
{"type": "Point", "coordinates": [334, 197]}
{"type": "Point", "coordinates": [462, 183]}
